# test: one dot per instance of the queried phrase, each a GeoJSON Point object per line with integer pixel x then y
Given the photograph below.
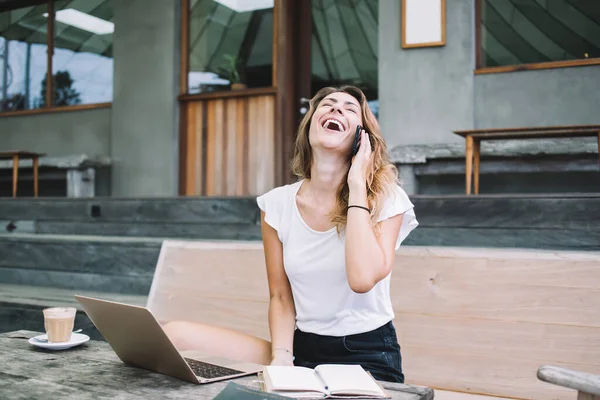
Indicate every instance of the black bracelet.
{"type": "Point", "coordinates": [364, 208]}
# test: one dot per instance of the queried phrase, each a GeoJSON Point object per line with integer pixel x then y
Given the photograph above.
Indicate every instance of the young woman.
{"type": "Point", "coordinates": [329, 242]}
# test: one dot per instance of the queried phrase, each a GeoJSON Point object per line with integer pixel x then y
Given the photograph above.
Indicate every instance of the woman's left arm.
{"type": "Point", "coordinates": [369, 257]}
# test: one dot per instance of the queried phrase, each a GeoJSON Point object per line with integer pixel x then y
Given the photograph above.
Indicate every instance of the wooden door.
{"type": "Point", "coordinates": [230, 143]}
{"type": "Point", "coordinates": [240, 142]}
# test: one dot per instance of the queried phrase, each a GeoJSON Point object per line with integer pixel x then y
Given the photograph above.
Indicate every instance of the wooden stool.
{"type": "Point", "coordinates": [15, 156]}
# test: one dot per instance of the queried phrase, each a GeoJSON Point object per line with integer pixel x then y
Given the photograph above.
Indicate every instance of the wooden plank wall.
{"type": "Point", "coordinates": [483, 320]}
{"type": "Point", "coordinates": [468, 320]}
{"type": "Point", "coordinates": [230, 146]}
{"type": "Point", "coordinates": [221, 283]}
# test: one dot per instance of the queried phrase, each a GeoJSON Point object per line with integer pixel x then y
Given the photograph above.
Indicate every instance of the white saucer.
{"type": "Point", "coordinates": [76, 340]}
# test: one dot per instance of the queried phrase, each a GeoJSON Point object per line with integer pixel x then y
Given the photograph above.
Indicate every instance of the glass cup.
{"type": "Point", "coordinates": [59, 322]}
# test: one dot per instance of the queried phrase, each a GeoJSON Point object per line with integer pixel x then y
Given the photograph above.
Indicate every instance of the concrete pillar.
{"type": "Point", "coordinates": [81, 182]}
{"type": "Point", "coordinates": [408, 179]}
{"type": "Point", "coordinates": [144, 134]}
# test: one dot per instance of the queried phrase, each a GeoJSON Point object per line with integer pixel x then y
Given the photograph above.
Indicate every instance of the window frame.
{"type": "Point", "coordinates": [184, 61]}
{"type": "Point", "coordinates": [479, 70]}
{"type": "Point", "coordinates": [49, 107]}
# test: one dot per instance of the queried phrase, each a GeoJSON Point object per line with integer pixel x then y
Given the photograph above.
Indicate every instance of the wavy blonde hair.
{"type": "Point", "coordinates": [382, 173]}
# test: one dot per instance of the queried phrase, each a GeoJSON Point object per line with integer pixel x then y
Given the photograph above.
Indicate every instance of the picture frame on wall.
{"type": "Point", "coordinates": [423, 23]}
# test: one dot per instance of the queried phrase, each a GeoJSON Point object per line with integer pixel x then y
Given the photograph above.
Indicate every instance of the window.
{"type": "Point", "coordinates": [23, 58]}
{"type": "Point", "coordinates": [344, 46]}
{"type": "Point", "coordinates": [80, 39]}
{"type": "Point", "coordinates": [516, 32]}
{"type": "Point", "coordinates": [230, 45]}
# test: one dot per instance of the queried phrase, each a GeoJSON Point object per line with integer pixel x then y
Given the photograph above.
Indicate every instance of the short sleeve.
{"type": "Point", "coordinates": [399, 203]}
{"type": "Point", "coordinates": [271, 203]}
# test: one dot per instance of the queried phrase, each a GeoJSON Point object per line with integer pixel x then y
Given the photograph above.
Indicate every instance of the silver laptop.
{"type": "Point", "coordinates": [138, 339]}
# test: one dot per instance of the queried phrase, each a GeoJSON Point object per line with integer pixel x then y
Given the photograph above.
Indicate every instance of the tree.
{"type": "Point", "coordinates": [14, 102]}
{"type": "Point", "coordinates": [64, 94]}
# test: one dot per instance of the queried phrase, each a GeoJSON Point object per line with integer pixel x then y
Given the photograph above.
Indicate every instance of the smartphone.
{"type": "Point", "coordinates": [356, 139]}
{"type": "Point", "coordinates": [356, 143]}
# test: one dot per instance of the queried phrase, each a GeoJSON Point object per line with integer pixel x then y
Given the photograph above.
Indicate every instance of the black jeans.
{"type": "Point", "coordinates": [376, 351]}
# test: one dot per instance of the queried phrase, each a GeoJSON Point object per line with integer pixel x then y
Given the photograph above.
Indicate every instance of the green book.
{"type": "Point", "coordinates": [234, 391]}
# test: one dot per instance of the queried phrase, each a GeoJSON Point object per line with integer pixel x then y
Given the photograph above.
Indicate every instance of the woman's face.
{"type": "Point", "coordinates": [334, 122]}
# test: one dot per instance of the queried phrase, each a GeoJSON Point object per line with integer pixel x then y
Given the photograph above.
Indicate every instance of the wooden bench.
{"type": "Point", "coordinates": [475, 137]}
{"type": "Point", "coordinates": [17, 155]}
{"type": "Point", "coordinates": [478, 321]}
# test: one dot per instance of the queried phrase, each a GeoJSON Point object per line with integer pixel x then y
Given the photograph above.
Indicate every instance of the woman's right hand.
{"type": "Point", "coordinates": [282, 358]}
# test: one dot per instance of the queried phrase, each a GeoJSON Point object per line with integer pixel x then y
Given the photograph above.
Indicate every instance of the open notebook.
{"type": "Point", "coordinates": [325, 381]}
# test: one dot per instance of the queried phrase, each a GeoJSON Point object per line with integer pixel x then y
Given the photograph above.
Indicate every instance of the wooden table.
{"type": "Point", "coordinates": [93, 371]}
{"type": "Point", "coordinates": [15, 156]}
{"type": "Point", "coordinates": [475, 137]}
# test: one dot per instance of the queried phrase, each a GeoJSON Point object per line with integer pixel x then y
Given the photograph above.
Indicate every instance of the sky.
{"type": "Point", "coordinates": [92, 73]}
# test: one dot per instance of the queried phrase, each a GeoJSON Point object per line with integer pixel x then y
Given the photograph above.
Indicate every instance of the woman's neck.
{"type": "Point", "coordinates": [326, 175]}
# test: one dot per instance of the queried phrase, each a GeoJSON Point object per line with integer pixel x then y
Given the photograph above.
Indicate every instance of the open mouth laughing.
{"type": "Point", "coordinates": [334, 125]}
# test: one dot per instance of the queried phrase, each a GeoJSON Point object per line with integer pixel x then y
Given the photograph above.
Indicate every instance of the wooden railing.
{"type": "Point", "coordinates": [229, 143]}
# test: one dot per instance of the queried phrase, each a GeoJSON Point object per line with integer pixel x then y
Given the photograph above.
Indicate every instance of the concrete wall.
{"type": "Point", "coordinates": [140, 131]}
{"type": "Point", "coordinates": [562, 96]}
{"type": "Point", "coordinates": [425, 93]}
{"type": "Point", "coordinates": [58, 134]}
{"type": "Point", "coordinates": [144, 133]}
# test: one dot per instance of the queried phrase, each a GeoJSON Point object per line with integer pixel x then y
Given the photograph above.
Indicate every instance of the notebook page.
{"type": "Point", "coordinates": [348, 379]}
{"type": "Point", "coordinates": [293, 378]}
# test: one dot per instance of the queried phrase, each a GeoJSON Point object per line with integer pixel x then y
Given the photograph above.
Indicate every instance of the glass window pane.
{"type": "Point", "coordinates": [344, 46]}
{"type": "Point", "coordinates": [535, 31]}
{"type": "Point", "coordinates": [82, 65]}
{"type": "Point", "coordinates": [23, 58]}
{"type": "Point", "coordinates": [230, 44]}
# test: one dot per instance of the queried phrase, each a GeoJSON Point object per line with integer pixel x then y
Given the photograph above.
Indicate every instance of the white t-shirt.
{"type": "Point", "coordinates": [315, 264]}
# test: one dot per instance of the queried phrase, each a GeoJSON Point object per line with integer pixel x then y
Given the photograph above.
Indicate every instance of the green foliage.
{"type": "Point", "coordinates": [64, 94]}
{"type": "Point", "coordinates": [13, 103]}
{"type": "Point", "coordinates": [231, 68]}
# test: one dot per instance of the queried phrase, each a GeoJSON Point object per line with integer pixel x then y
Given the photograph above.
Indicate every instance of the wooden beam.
{"type": "Point", "coordinates": [468, 164]}
{"type": "Point", "coordinates": [184, 187]}
{"type": "Point", "coordinates": [476, 163]}
{"type": "Point", "coordinates": [15, 174]}
{"type": "Point", "coordinates": [534, 66]}
{"type": "Point", "coordinates": [529, 129]}
{"type": "Point", "coordinates": [35, 176]}
{"type": "Point", "coordinates": [293, 57]}
{"type": "Point", "coordinates": [49, 110]}
{"type": "Point", "coordinates": [228, 94]}
{"type": "Point", "coordinates": [184, 47]}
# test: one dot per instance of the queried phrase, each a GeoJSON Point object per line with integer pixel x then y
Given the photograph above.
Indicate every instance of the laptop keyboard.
{"type": "Point", "coordinates": [209, 371]}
